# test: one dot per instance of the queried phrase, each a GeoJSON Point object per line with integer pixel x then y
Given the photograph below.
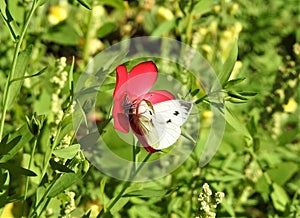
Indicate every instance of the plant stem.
{"type": "Point", "coordinates": [14, 64]}
{"type": "Point", "coordinates": [125, 185]}
{"type": "Point", "coordinates": [88, 35]}
{"type": "Point", "coordinates": [29, 166]}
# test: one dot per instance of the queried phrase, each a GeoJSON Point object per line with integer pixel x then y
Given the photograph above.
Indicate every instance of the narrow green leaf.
{"type": "Point", "coordinates": [30, 76]}
{"type": "Point", "coordinates": [62, 183]}
{"type": "Point", "coordinates": [202, 7]}
{"type": "Point", "coordinates": [4, 149]}
{"type": "Point", "coordinates": [14, 89]}
{"type": "Point", "coordinates": [165, 27]}
{"type": "Point", "coordinates": [4, 140]}
{"type": "Point", "coordinates": [103, 197]}
{"type": "Point", "coordinates": [233, 121]}
{"type": "Point", "coordinates": [84, 4]}
{"type": "Point", "coordinates": [195, 92]}
{"type": "Point", "coordinates": [236, 95]}
{"type": "Point", "coordinates": [71, 80]}
{"type": "Point", "coordinates": [148, 193]}
{"type": "Point", "coordinates": [248, 93]}
{"type": "Point", "coordinates": [233, 82]}
{"type": "Point", "coordinates": [8, 20]}
{"type": "Point", "coordinates": [14, 169]}
{"type": "Point", "coordinates": [229, 64]}
{"type": "Point", "coordinates": [119, 4]}
{"type": "Point", "coordinates": [119, 205]}
{"type": "Point", "coordinates": [106, 29]}
{"type": "Point", "coordinates": [24, 131]}
{"type": "Point", "coordinates": [60, 167]}
{"type": "Point", "coordinates": [68, 152]}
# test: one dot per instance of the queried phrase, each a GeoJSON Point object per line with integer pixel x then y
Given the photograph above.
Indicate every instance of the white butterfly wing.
{"type": "Point", "coordinates": [160, 123]}
{"type": "Point", "coordinates": [169, 117]}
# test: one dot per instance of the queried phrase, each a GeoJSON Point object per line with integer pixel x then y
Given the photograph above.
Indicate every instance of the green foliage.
{"type": "Point", "coordinates": [254, 48]}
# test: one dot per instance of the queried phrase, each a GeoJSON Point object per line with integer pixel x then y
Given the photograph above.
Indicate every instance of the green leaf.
{"type": "Point", "coordinates": [164, 27]}
{"type": "Point", "coordinates": [60, 167]}
{"type": "Point", "coordinates": [4, 177]}
{"type": "Point", "coordinates": [14, 169]}
{"type": "Point", "coordinates": [279, 197]}
{"type": "Point", "coordinates": [248, 93]}
{"type": "Point", "coordinates": [106, 29]}
{"type": "Point", "coordinates": [63, 33]}
{"type": "Point", "coordinates": [283, 172]}
{"type": "Point", "coordinates": [194, 92]}
{"type": "Point", "coordinates": [4, 140]}
{"type": "Point", "coordinates": [233, 121]}
{"type": "Point", "coordinates": [66, 128]}
{"type": "Point", "coordinates": [8, 20]}
{"type": "Point", "coordinates": [119, 205]}
{"type": "Point", "coordinates": [62, 183]}
{"type": "Point", "coordinates": [148, 193]}
{"type": "Point", "coordinates": [14, 88]}
{"type": "Point", "coordinates": [236, 95]}
{"type": "Point", "coordinates": [5, 148]}
{"type": "Point", "coordinates": [103, 197]}
{"type": "Point", "coordinates": [228, 65]}
{"type": "Point", "coordinates": [119, 4]}
{"type": "Point", "coordinates": [84, 4]}
{"type": "Point", "coordinates": [24, 131]}
{"type": "Point", "coordinates": [30, 76]}
{"type": "Point", "coordinates": [202, 7]}
{"type": "Point", "coordinates": [233, 82]}
{"type": "Point", "coordinates": [68, 152]}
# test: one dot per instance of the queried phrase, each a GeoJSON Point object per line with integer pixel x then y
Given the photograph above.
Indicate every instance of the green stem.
{"type": "Point", "coordinates": [88, 35]}
{"type": "Point", "coordinates": [125, 185]}
{"type": "Point", "coordinates": [14, 64]}
{"type": "Point", "coordinates": [189, 25]}
{"type": "Point", "coordinates": [29, 167]}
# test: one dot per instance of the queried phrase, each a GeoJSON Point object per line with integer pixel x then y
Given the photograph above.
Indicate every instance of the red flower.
{"type": "Point", "coordinates": [131, 88]}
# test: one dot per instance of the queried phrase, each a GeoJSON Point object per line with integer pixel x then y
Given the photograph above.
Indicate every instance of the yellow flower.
{"type": "Point", "coordinates": [164, 14]}
{"type": "Point", "coordinates": [57, 14]}
{"type": "Point", "coordinates": [234, 8]}
{"type": "Point", "coordinates": [291, 106]}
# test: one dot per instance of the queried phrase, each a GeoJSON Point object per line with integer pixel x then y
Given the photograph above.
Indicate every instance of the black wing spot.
{"type": "Point", "coordinates": [176, 113]}
{"type": "Point", "coordinates": [169, 121]}
{"type": "Point", "coordinates": [150, 112]}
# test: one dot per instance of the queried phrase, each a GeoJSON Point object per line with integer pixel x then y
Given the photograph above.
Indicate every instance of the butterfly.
{"type": "Point", "coordinates": [158, 125]}
{"type": "Point", "coordinates": [155, 117]}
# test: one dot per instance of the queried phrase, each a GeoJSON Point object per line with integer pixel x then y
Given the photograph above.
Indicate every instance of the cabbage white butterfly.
{"type": "Point", "coordinates": [158, 125]}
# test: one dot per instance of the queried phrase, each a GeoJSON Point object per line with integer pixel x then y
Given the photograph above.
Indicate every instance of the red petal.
{"type": "Point", "coordinates": [158, 96]}
{"type": "Point", "coordinates": [121, 77]}
{"type": "Point", "coordinates": [137, 83]}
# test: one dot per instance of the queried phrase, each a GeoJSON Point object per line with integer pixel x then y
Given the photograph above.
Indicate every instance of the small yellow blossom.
{"type": "Point", "coordinates": [291, 106]}
{"type": "Point", "coordinates": [57, 14]}
{"type": "Point", "coordinates": [208, 52]}
{"type": "Point", "coordinates": [296, 49]}
{"type": "Point", "coordinates": [164, 14]}
{"type": "Point", "coordinates": [217, 8]}
{"type": "Point", "coordinates": [234, 8]}
{"type": "Point", "coordinates": [203, 30]}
